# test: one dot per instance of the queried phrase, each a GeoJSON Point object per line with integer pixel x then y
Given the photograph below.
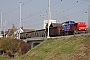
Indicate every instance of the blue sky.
{"type": "Point", "coordinates": [33, 10]}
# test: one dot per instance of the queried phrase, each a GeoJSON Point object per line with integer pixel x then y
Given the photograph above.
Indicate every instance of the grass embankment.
{"type": "Point", "coordinates": [72, 48]}
{"type": "Point", "coordinates": [69, 48]}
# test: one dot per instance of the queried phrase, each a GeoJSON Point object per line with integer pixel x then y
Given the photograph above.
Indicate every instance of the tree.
{"type": "Point", "coordinates": [7, 44]}
{"type": "Point", "coordinates": [13, 30]}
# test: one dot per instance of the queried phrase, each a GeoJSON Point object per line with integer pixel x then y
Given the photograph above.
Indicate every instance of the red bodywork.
{"type": "Point", "coordinates": [80, 26]}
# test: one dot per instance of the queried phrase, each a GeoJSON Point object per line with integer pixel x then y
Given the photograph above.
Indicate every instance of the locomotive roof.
{"type": "Point", "coordinates": [69, 22]}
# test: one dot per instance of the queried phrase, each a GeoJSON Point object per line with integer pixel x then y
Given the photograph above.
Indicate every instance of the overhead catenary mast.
{"type": "Point", "coordinates": [88, 14]}
{"type": "Point", "coordinates": [4, 27]}
{"type": "Point", "coordinates": [1, 23]}
{"type": "Point", "coordinates": [49, 16]}
{"type": "Point", "coordinates": [89, 17]}
{"type": "Point", "coordinates": [20, 14]}
{"type": "Point", "coordinates": [20, 19]}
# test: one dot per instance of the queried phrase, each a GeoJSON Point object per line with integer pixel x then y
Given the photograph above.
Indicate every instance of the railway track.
{"type": "Point", "coordinates": [70, 35]}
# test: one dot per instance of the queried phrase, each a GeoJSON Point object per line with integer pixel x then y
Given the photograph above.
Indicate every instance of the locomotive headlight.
{"type": "Point", "coordinates": [85, 29]}
{"type": "Point", "coordinates": [79, 29]}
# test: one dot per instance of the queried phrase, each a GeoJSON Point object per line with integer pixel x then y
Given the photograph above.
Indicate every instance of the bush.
{"type": "Point", "coordinates": [14, 45]}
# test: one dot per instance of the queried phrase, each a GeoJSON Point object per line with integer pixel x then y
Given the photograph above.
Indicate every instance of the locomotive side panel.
{"type": "Point", "coordinates": [68, 28]}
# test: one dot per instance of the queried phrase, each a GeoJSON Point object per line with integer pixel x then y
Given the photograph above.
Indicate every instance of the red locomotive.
{"type": "Point", "coordinates": [80, 27]}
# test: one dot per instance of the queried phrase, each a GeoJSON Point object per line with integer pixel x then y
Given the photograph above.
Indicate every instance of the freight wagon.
{"type": "Point", "coordinates": [55, 29]}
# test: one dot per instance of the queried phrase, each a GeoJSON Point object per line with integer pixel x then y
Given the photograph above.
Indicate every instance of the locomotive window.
{"type": "Point", "coordinates": [64, 23]}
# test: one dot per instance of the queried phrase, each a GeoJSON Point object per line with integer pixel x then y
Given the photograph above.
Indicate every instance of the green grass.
{"type": "Point", "coordinates": [72, 48]}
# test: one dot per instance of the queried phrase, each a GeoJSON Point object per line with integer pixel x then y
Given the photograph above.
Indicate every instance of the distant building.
{"type": "Point", "coordinates": [46, 22]}
{"type": "Point", "coordinates": [19, 31]}
{"type": "Point", "coordinates": [10, 31]}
